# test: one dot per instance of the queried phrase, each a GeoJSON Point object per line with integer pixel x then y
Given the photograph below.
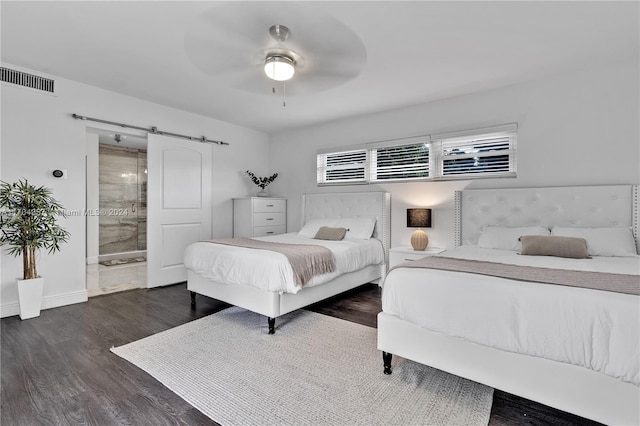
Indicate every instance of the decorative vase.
{"type": "Point", "coordinates": [263, 193]}
{"type": "Point", "coordinates": [30, 297]}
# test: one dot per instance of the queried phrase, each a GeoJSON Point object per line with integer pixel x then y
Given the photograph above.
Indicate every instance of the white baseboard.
{"type": "Point", "coordinates": [48, 302]}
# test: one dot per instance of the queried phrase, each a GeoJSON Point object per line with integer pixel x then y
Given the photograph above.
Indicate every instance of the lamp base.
{"type": "Point", "coordinates": [419, 240]}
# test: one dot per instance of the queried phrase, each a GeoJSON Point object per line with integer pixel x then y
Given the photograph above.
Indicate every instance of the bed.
{"type": "Point", "coordinates": [572, 348]}
{"type": "Point", "coordinates": [271, 293]}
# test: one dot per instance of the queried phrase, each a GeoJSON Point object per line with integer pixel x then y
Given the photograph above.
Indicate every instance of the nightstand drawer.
{"type": "Point", "coordinates": [404, 254]}
{"type": "Point", "coordinates": [397, 258]}
{"type": "Point", "coordinates": [269, 205]}
{"type": "Point", "coordinates": [265, 231]}
{"type": "Point", "coordinates": [268, 219]}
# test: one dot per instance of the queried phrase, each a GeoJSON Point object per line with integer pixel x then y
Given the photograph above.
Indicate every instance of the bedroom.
{"type": "Point", "coordinates": [573, 90]}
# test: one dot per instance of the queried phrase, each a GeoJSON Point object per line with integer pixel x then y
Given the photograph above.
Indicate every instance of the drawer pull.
{"type": "Point", "coordinates": [270, 232]}
{"type": "Point", "coordinates": [269, 218]}
{"type": "Point", "coordinates": [269, 205]}
{"type": "Point", "coordinates": [409, 260]}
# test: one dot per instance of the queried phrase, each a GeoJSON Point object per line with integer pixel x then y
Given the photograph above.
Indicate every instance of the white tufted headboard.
{"type": "Point", "coordinates": [579, 206]}
{"type": "Point", "coordinates": [352, 204]}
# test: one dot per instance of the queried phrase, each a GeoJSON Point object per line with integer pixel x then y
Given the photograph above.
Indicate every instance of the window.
{"type": "Point", "coordinates": [489, 152]}
{"type": "Point", "coordinates": [400, 162]}
{"type": "Point", "coordinates": [343, 167]}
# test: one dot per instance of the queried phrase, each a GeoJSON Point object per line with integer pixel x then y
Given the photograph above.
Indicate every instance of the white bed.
{"type": "Point", "coordinates": [232, 278]}
{"type": "Point", "coordinates": [574, 349]}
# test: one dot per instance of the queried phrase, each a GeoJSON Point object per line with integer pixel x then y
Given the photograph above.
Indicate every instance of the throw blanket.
{"type": "Point", "coordinates": [306, 260]}
{"type": "Point", "coordinates": [620, 283]}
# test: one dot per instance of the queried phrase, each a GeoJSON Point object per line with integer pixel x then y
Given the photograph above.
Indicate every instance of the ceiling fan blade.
{"type": "Point", "coordinates": [231, 40]}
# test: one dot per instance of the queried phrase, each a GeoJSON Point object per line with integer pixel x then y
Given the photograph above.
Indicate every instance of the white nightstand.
{"type": "Point", "coordinates": [407, 253]}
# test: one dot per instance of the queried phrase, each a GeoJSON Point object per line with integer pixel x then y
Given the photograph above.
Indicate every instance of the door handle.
{"type": "Point", "coordinates": [133, 207]}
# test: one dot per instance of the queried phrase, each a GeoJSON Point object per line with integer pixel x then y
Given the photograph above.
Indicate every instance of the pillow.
{"type": "Point", "coordinates": [328, 233]}
{"type": "Point", "coordinates": [358, 228]}
{"type": "Point", "coordinates": [499, 237]}
{"type": "Point", "coordinates": [549, 245]}
{"type": "Point", "coordinates": [311, 228]}
{"type": "Point", "coordinates": [617, 241]}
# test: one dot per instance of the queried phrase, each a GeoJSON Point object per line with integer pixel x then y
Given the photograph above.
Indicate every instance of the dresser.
{"type": "Point", "coordinates": [259, 217]}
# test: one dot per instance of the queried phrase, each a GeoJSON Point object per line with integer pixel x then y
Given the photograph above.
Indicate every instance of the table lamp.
{"type": "Point", "coordinates": [419, 218]}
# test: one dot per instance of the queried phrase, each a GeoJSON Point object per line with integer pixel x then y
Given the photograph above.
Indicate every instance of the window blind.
{"type": "Point", "coordinates": [469, 154]}
{"type": "Point", "coordinates": [476, 155]}
{"type": "Point", "coordinates": [343, 167]}
{"type": "Point", "coordinates": [400, 162]}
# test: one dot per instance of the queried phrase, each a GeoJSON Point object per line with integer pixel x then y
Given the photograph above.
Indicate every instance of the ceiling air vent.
{"type": "Point", "coordinates": [26, 80]}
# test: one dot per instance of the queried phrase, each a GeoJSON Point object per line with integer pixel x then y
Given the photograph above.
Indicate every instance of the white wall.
{"type": "Point", "coordinates": [39, 134]}
{"type": "Point", "coordinates": [580, 128]}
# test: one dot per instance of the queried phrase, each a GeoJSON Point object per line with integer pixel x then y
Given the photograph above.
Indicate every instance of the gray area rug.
{"type": "Point", "coordinates": [316, 370]}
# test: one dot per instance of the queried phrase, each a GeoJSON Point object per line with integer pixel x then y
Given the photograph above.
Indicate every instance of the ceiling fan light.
{"type": "Point", "coordinates": [279, 68]}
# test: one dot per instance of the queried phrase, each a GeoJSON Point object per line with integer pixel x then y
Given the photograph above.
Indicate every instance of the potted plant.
{"type": "Point", "coordinates": [28, 223]}
{"type": "Point", "coordinates": [262, 182]}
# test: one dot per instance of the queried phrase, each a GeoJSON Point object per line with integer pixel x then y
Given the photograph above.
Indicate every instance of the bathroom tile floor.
{"type": "Point", "coordinates": [110, 279]}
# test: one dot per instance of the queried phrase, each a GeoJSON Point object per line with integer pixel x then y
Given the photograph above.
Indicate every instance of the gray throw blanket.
{"type": "Point", "coordinates": [620, 283]}
{"type": "Point", "coordinates": [306, 260]}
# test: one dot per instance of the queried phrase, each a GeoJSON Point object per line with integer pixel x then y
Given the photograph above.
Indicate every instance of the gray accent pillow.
{"type": "Point", "coordinates": [550, 245]}
{"type": "Point", "coordinates": [328, 233]}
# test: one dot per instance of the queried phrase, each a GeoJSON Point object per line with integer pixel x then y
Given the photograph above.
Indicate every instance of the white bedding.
{"type": "Point", "coordinates": [595, 329]}
{"type": "Point", "coordinates": [271, 271]}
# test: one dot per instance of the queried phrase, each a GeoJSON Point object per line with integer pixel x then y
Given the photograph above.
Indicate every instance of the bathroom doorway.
{"type": "Point", "coordinates": [123, 204]}
{"type": "Point", "coordinates": [116, 211]}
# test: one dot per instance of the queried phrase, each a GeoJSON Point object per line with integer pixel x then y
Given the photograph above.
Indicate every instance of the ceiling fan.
{"type": "Point", "coordinates": [245, 47]}
{"type": "Point", "coordinates": [280, 63]}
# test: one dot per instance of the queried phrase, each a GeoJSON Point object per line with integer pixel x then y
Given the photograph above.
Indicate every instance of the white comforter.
{"type": "Point", "coordinates": [595, 329]}
{"type": "Point", "coordinates": [270, 270]}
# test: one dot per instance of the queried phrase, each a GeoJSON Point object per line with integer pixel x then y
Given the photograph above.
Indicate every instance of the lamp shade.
{"type": "Point", "coordinates": [279, 67]}
{"type": "Point", "coordinates": [418, 218]}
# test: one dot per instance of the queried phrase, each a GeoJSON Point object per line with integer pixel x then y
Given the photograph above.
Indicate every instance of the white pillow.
{"type": "Point", "coordinates": [358, 228]}
{"type": "Point", "coordinates": [504, 238]}
{"type": "Point", "coordinates": [310, 229]}
{"type": "Point", "coordinates": [617, 241]}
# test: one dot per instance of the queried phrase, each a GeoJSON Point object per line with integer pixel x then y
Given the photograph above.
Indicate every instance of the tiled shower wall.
{"type": "Point", "coordinates": [122, 199]}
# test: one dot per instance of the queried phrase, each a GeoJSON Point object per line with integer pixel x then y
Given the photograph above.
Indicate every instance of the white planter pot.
{"type": "Point", "coordinates": [30, 297]}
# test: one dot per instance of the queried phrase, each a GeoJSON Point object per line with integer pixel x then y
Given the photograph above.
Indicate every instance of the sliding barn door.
{"type": "Point", "coordinates": [179, 204]}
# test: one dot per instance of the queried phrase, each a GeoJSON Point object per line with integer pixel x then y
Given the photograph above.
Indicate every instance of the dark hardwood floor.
{"type": "Point", "coordinates": [57, 368]}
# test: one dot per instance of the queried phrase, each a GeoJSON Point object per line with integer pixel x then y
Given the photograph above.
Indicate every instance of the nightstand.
{"type": "Point", "coordinates": [407, 253]}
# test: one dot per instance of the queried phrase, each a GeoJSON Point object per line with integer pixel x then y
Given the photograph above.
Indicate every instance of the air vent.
{"type": "Point", "coordinates": [26, 80]}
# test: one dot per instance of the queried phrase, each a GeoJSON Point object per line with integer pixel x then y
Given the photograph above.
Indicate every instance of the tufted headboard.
{"type": "Point", "coordinates": [579, 206]}
{"type": "Point", "coordinates": [352, 204]}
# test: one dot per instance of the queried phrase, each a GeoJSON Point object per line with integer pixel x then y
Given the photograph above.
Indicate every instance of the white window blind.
{"type": "Point", "coordinates": [343, 167]}
{"type": "Point", "coordinates": [488, 152]}
{"type": "Point", "coordinates": [479, 155]}
{"type": "Point", "coordinates": [400, 162]}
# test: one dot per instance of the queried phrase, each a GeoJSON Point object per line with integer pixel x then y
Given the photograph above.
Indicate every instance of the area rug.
{"type": "Point", "coordinates": [125, 261]}
{"type": "Point", "coordinates": [316, 370]}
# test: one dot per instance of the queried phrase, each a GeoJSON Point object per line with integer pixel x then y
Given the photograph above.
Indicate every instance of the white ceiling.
{"type": "Point", "coordinates": [414, 52]}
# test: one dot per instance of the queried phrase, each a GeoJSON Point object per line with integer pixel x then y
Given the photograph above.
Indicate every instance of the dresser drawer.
{"type": "Point", "coordinates": [268, 219]}
{"type": "Point", "coordinates": [269, 205]}
{"type": "Point", "coordinates": [265, 231]}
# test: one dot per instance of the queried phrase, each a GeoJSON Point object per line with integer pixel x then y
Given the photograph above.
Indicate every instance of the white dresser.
{"type": "Point", "coordinates": [259, 217]}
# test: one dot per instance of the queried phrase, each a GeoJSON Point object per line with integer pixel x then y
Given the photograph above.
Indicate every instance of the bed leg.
{"type": "Point", "coordinates": [193, 300]}
{"type": "Point", "coordinates": [272, 325]}
{"type": "Point", "coordinates": [386, 360]}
